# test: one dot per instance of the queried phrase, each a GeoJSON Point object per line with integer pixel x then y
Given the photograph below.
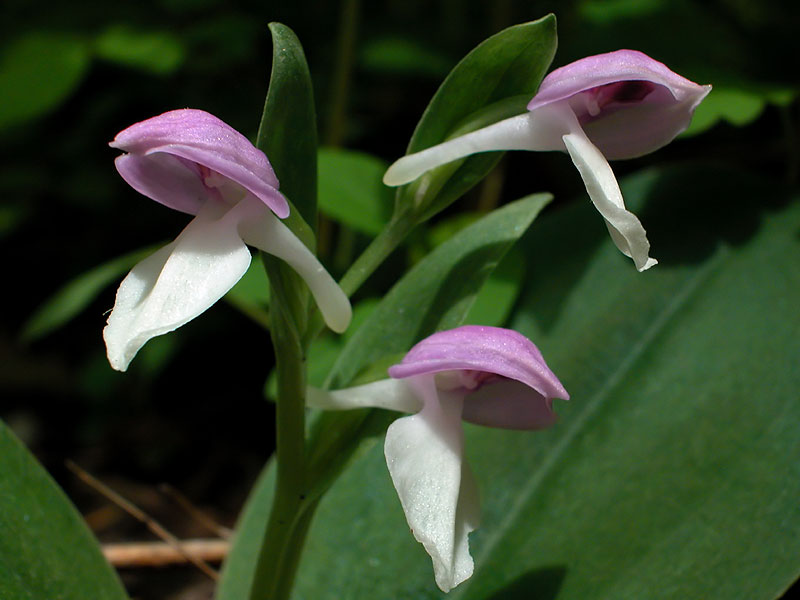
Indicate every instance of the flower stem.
{"type": "Point", "coordinates": [291, 511]}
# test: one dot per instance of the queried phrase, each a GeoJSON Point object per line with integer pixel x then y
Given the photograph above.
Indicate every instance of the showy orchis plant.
{"type": "Point", "coordinates": [617, 105]}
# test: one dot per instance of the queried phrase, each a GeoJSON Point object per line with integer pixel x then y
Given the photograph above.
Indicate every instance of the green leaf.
{"type": "Point", "coordinates": [288, 130]}
{"type": "Point", "coordinates": [238, 569]}
{"type": "Point", "coordinates": [78, 294]}
{"type": "Point", "coordinates": [436, 294]}
{"type": "Point", "coordinates": [439, 291]}
{"type": "Point", "coordinates": [738, 107]}
{"type": "Point", "coordinates": [674, 470]}
{"type": "Point", "coordinates": [508, 64]}
{"type": "Point", "coordinates": [37, 73]}
{"type": "Point", "coordinates": [351, 189]}
{"type": "Point", "coordinates": [157, 52]}
{"type": "Point", "coordinates": [46, 550]}
{"type": "Point", "coordinates": [496, 298]}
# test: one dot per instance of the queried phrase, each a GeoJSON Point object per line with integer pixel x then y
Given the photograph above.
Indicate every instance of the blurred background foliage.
{"type": "Point", "coordinates": [191, 409]}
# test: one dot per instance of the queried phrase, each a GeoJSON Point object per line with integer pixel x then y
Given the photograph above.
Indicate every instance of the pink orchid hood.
{"type": "Point", "coordinates": [183, 157]}
{"type": "Point", "coordinates": [628, 103]}
{"type": "Point", "coordinates": [502, 373]}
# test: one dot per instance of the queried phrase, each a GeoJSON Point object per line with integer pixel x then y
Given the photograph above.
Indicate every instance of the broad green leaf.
{"type": "Point", "coordinates": [509, 64]}
{"type": "Point", "coordinates": [494, 302]}
{"type": "Point", "coordinates": [496, 298]}
{"type": "Point", "coordinates": [37, 73]}
{"type": "Point", "coordinates": [158, 52]}
{"type": "Point", "coordinates": [674, 470]}
{"type": "Point", "coordinates": [46, 550]}
{"type": "Point", "coordinates": [435, 294]}
{"type": "Point", "coordinates": [78, 294]}
{"type": "Point", "coordinates": [351, 189]}
{"type": "Point", "coordinates": [287, 134]}
{"type": "Point", "coordinates": [288, 130]}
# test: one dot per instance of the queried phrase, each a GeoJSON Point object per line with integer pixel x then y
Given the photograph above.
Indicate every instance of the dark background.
{"type": "Point", "coordinates": [191, 410]}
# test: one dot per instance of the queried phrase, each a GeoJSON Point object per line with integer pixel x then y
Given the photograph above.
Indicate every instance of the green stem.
{"type": "Point", "coordinates": [287, 526]}
{"type": "Point", "coordinates": [291, 559]}
{"type": "Point", "coordinates": [380, 248]}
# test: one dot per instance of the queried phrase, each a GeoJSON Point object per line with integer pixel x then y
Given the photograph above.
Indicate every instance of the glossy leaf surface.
{"type": "Point", "coordinates": [674, 471]}
{"type": "Point", "coordinates": [288, 130]}
{"type": "Point", "coordinates": [46, 550]}
{"type": "Point", "coordinates": [509, 64]}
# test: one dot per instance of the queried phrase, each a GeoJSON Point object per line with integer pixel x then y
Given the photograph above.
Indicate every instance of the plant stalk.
{"type": "Point", "coordinates": [291, 511]}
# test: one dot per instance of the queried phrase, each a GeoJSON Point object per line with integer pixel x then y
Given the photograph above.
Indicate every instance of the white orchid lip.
{"type": "Point", "coordinates": [488, 375]}
{"type": "Point", "coordinates": [192, 162]}
{"type": "Point", "coordinates": [616, 105]}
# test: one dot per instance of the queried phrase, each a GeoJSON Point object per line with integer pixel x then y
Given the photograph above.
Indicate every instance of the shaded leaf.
{"type": "Point", "coordinates": [78, 294]}
{"type": "Point", "coordinates": [46, 550]}
{"type": "Point", "coordinates": [154, 51]}
{"type": "Point", "coordinates": [674, 471]}
{"type": "Point", "coordinates": [288, 130]}
{"type": "Point", "coordinates": [496, 298]}
{"type": "Point", "coordinates": [37, 73]}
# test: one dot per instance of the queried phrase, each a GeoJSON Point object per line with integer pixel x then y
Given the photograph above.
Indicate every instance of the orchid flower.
{"type": "Point", "coordinates": [485, 375]}
{"type": "Point", "coordinates": [192, 162]}
{"type": "Point", "coordinates": [617, 105]}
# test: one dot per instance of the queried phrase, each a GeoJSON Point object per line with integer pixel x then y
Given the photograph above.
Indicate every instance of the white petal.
{"type": "Point", "coordinates": [393, 394]}
{"type": "Point", "coordinates": [262, 229]}
{"type": "Point", "coordinates": [174, 285]}
{"type": "Point", "coordinates": [626, 230]}
{"type": "Point", "coordinates": [537, 130]}
{"type": "Point", "coordinates": [424, 454]}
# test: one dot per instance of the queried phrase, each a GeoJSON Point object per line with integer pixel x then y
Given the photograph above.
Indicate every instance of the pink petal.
{"type": "Point", "coordinates": [202, 138]}
{"type": "Point", "coordinates": [487, 349]}
{"type": "Point", "coordinates": [164, 178]}
{"type": "Point", "coordinates": [646, 116]}
{"type": "Point", "coordinates": [508, 404]}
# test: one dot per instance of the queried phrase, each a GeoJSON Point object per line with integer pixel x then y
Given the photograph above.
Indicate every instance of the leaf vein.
{"type": "Point", "coordinates": [691, 286]}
